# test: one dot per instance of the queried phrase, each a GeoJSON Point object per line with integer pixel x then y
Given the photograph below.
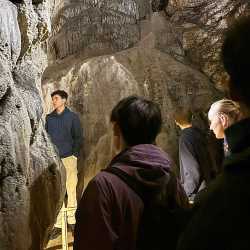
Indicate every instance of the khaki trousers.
{"type": "Point", "coordinates": [70, 164]}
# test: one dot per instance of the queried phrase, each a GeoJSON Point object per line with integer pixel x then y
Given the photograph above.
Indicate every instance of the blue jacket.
{"type": "Point", "coordinates": [65, 132]}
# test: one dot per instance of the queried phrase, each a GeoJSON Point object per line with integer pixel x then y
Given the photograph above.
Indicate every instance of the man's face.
{"type": "Point", "coordinates": [217, 127]}
{"type": "Point", "coordinates": [58, 101]}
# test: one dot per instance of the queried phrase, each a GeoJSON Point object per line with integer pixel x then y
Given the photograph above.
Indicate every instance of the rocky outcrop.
{"type": "Point", "coordinates": [31, 174]}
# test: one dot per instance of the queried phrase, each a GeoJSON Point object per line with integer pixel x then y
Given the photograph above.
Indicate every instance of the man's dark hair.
{"type": "Point", "coordinates": [139, 120]}
{"type": "Point", "coordinates": [236, 57]}
{"type": "Point", "coordinates": [61, 93]}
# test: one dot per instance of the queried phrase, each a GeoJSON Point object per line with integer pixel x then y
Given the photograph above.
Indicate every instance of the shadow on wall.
{"type": "Point", "coordinates": [16, 1]}
{"type": "Point", "coordinates": [80, 176]}
{"type": "Point", "coordinates": [42, 208]}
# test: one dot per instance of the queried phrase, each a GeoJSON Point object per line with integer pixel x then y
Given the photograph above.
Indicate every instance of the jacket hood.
{"type": "Point", "coordinates": [147, 163]}
{"type": "Point", "coordinates": [147, 156]}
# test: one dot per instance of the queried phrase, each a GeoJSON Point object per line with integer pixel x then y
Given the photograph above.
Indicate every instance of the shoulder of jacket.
{"type": "Point", "coordinates": [103, 182]}
{"type": "Point", "coordinates": [49, 115]}
{"type": "Point", "coordinates": [74, 115]}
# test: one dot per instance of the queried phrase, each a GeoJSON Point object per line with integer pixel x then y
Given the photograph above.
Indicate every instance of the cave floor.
{"type": "Point", "coordinates": [56, 244]}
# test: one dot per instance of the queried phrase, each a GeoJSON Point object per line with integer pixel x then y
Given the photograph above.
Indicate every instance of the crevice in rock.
{"type": "Point", "coordinates": [52, 169]}
{"type": "Point", "coordinates": [37, 1]}
{"type": "Point", "coordinates": [4, 100]}
{"type": "Point", "coordinates": [33, 128]}
{"type": "Point", "coordinates": [159, 5]}
{"type": "Point", "coordinates": [6, 171]}
{"type": "Point", "coordinates": [16, 1]}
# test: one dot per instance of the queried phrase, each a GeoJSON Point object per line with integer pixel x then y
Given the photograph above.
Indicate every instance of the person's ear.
{"type": "Point", "coordinates": [176, 123]}
{"type": "Point", "coordinates": [64, 101]}
{"type": "Point", "coordinates": [116, 129]}
{"type": "Point", "coordinates": [224, 120]}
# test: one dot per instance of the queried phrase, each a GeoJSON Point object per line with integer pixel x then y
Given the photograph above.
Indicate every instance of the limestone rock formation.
{"type": "Point", "coordinates": [201, 24]}
{"type": "Point", "coordinates": [31, 174]}
{"type": "Point", "coordinates": [165, 50]}
{"type": "Point", "coordinates": [94, 25]}
{"type": "Point", "coordinates": [97, 84]}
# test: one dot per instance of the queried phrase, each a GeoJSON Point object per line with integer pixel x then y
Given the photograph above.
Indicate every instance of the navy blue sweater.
{"type": "Point", "coordinates": [65, 132]}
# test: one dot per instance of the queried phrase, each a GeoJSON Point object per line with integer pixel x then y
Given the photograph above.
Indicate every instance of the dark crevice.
{"type": "Point", "coordinates": [32, 124]}
{"type": "Point", "coordinates": [159, 5]}
{"type": "Point", "coordinates": [16, 1]}
{"type": "Point", "coordinates": [4, 98]}
{"type": "Point", "coordinates": [53, 169]}
{"type": "Point", "coordinates": [33, 128]}
{"type": "Point", "coordinates": [37, 1]}
{"type": "Point", "coordinates": [6, 171]}
{"type": "Point", "coordinates": [19, 169]}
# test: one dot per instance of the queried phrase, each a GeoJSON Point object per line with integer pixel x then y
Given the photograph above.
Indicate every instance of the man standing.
{"type": "Point", "coordinates": [132, 204]}
{"type": "Point", "coordinates": [65, 131]}
{"type": "Point", "coordinates": [198, 153]}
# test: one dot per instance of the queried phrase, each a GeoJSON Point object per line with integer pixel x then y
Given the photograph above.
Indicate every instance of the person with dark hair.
{"type": "Point", "coordinates": [198, 155]}
{"type": "Point", "coordinates": [138, 186]}
{"type": "Point", "coordinates": [65, 132]}
{"type": "Point", "coordinates": [221, 219]}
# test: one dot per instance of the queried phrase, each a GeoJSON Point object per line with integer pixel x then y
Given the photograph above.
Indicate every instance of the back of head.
{"type": "Point", "coordinates": [196, 119]}
{"type": "Point", "coordinates": [199, 120]}
{"type": "Point", "coordinates": [236, 58]}
{"type": "Point", "coordinates": [139, 120]}
{"type": "Point", "coordinates": [225, 106]}
{"type": "Point", "coordinates": [183, 117]}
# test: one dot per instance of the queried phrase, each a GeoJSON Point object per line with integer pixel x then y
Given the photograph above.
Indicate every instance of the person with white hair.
{"type": "Point", "coordinates": [222, 114]}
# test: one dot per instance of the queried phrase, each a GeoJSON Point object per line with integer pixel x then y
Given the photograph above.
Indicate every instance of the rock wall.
{"type": "Point", "coordinates": [201, 24]}
{"type": "Point", "coordinates": [166, 50]}
{"type": "Point", "coordinates": [32, 178]}
{"type": "Point", "coordinates": [94, 25]}
{"type": "Point", "coordinates": [97, 84]}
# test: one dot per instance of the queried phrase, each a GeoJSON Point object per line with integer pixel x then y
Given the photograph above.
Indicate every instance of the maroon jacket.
{"type": "Point", "coordinates": [109, 213]}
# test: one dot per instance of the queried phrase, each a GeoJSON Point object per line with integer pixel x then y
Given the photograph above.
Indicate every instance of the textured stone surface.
{"type": "Point", "coordinates": [94, 25]}
{"type": "Point", "coordinates": [97, 84]}
{"type": "Point", "coordinates": [201, 24]}
{"type": "Point", "coordinates": [10, 35]}
{"type": "Point", "coordinates": [165, 50]}
{"type": "Point", "coordinates": [31, 174]}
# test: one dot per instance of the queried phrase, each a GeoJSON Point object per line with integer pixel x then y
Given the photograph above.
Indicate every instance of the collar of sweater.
{"type": "Point", "coordinates": [66, 110]}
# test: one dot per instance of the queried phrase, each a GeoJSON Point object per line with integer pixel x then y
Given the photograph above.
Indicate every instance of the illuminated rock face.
{"type": "Point", "coordinates": [167, 51]}
{"type": "Point", "coordinates": [201, 24]}
{"type": "Point", "coordinates": [102, 26]}
{"type": "Point", "coordinates": [31, 174]}
{"type": "Point", "coordinates": [96, 85]}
